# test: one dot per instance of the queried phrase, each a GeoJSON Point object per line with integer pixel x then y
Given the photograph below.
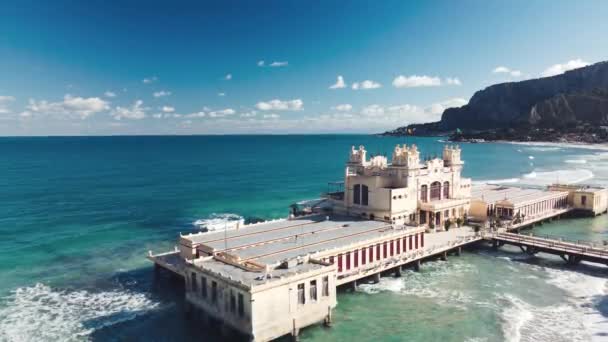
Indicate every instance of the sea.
{"type": "Point", "coordinates": [78, 216]}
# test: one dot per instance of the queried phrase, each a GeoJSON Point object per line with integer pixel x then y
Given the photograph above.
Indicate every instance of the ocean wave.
{"type": "Point", "coordinates": [561, 145]}
{"type": "Point", "coordinates": [40, 313]}
{"type": "Point", "coordinates": [575, 161]}
{"type": "Point", "coordinates": [430, 284]}
{"type": "Point", "coordinates": [558, 176]}
{"type": "Point", "coordinates": [219, 221]}
{"type": "Point", "coordinates": [496, 181]}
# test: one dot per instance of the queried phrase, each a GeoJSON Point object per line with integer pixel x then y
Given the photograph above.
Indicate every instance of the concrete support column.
{"type": "Point", "coordinates": [398, 271]}
{"type": "Point", "coordinates": [295, 333]}
{"type": "Point", "coordinates": [376, 278]}
{"type": "Point", "coordinates": [354, 285]}
{"type": "Point", "coordinates": [328, 318]}
{"type": "Point", "coordinates": [417, 265]}
{"type": "Point", "coordinates": [458, 250]}
{"type": "Point", "coordinates": [444, 256]}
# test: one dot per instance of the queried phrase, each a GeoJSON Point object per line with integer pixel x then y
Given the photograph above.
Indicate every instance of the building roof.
{"type": "Point", "coordinates": [515, 195]}
{"type": "Point", "coordinates": [276, 242]}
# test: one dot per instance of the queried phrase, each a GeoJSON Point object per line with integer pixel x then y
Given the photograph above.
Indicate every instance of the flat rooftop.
{"type": "Point", "coordinates": [274, 242]}
{"type": "Point", "coordinates": [516, 195]}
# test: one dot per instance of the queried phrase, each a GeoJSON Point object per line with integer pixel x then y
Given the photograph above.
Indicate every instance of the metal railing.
{"type": "Point", "coordinates": [557, 243]}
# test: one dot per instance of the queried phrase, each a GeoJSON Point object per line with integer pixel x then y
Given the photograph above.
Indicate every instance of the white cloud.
{"type": "Point", "coordinates": [149, 80]}
{"type": "Point", "coordinates": [168, 109]}
{"type": "Point", "coordinates": [109, 94]}
{"type": "Point", "coordinates": [161, 93]}
{"type": "Point", "coordinates": [271, 116]}
{"type": "Point", "coordinates": [228, 77]}
{"type": "Point", "coordinates": [249, 114]}
{"type": "Point", "coordinates": [260, 63]}
{"type": "Point", "coordinates": [416, 81]}
{"type": "Point", "coordinates": [4, 101]}
{"type": "Point", "coordinates": [157, 116]}
{"type": "Point", "coordinates": [135, 112]}
{"type": "Point", "coordinates": [196, 115]}
{"type": "Point", "coordinates": [453, 81]}
{"type": "Point", "coordinates": [343, 107]}
{"type": "Point", "coordinates": [221, 94]}
{"type": "Point", "coordinates": [367, 84]}
{"type": "Point", "coordinates": [222, 113]}
{"type": "Point", "coordinates": [276, 104]}
{"type": "Point", "coordinates": [438, 108]}
{"type": "Point", "coordinates": [70, 106]}
{"type": "Point", "coordinates": [339, 83]}
{"type": "Point", "coordinates": [278, 64]}
{"type": "Point", "coordinates": [505, 70]}
{"type": "Point", "coordinates": [557, 69]}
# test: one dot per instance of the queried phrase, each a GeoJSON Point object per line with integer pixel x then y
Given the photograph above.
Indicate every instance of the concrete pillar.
{"type": "Point", "coordinates": [444, 256]}
{"type": "Point", "coordinates": [354, 285]}
{"type": "Point", "coordinates": [398, 271]}
{"type": "Point", "coordinates": [458, 250]}
{"type": "Point", "coordinates": [376, 278]}
{"type": "Point", "coordinates": [417, 265]}
{"type": "Point", "coordinates": [328, 318]}
{"type": "Point", "coordinates": [295, 332]}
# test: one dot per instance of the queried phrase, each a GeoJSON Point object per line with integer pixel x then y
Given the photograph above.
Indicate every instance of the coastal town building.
{"type": "Point", "coordinates": [270, 279]}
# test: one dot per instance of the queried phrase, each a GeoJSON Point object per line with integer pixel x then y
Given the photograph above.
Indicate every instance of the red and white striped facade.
{"type": "Point", "coordinates": [376, 255]}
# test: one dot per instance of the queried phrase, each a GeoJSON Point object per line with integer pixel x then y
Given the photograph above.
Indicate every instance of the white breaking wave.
{"type": "Point", "coordinates": [524, 322]}
{"type": "Point", "coordinates": [219, 222]}
{"type": "Point", "coordinates": [557, 146]}
{"type": "Point", "coordinates": [561, 176]}
{"type": "Point", "coordinates": [496, 181]}
{"type": "Point", "coordinates": [575, 161]}
{"type": "Point", "coordinates": [39, 313]}
{"type": "Point", "coordinates": [427, 284]}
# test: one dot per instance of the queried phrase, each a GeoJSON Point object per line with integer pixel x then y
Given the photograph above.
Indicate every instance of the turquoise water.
{"type": "Point", "coordinates": [78, 215]}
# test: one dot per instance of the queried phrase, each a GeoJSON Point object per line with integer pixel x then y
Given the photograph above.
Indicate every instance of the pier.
{"type": "Point", "coordinates": [572, 252]}
{"type": "Point", "coordinates": [270, 279]}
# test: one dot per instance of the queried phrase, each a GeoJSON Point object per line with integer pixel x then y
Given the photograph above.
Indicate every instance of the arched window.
{"type": "Point", "coordinates": [424, 193]}
{"type": "Point", "coordinates": [435, 191]}
{"type": "Point", "coordinates": [357, 194]}
{"type": "Point", "coordinates": [364, 195]}
{"type": "Point", "coordinates": [446, 189]}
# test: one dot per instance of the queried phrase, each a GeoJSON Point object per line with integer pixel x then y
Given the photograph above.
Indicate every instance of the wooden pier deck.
{"type": "Point", "coordinates": [571, 251]}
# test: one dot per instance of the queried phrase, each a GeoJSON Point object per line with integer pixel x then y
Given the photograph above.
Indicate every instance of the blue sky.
{"type": "Point", "coordinates": [158, 67]}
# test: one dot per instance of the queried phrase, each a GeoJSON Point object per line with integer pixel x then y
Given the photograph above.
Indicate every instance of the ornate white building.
{"type": "Point", "coordinates": [406, 191]}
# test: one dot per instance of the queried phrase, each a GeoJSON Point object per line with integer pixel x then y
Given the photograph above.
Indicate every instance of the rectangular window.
{"type": "Point", "coordinates": [331, 259]}
{"type": "Point", "coordinates": [422, 240]}
{"type": "Point", "coordinates": [392, 249]}
{"type": "Point", "coordinates": [301, 295]}
{"type": "Point", "coordinates": [194, 283]}
{"type": "Point", "coordinates": [339, 262]}
{"type": "Point", "coordinates": [357, 194]}
{"type": "Point", "coordinates": [583, 200]}
{"type": "Point", "coordinates": [232, 302]}
{"type": "Point", "coordinates": [411, 243]}
{"type": "Point", "coordinates": [214, 292]}
{"type": "Point", "coordinates": [384, 250]}
{"type": "Point", "coordinates": [363, 256]}
{"type": "Point", "coordinates": [398, 243]}
{"type": "Point", "coordinates": [204, 287]}
{"type": "Point", "coordinates": [371, 253]}
{"type": "Point", "coordinates": [356, 256]}
{"type": "Point", "coordinates": [377, 252]}
{"type": "Point", "coordinates": [313, 290]}
{"type": "Point", "coordinates": [241, 305]}
{"type": "Point", "coordinates": [404, 244]}
{"type": "Point", "coordinates": [416, 241]}
{"type": "Point", "coordinates": [364, 195]}
{"type": "Point", "coordinates": [347, 261]}
{"type": "Point", "coordinates": [325, 286]}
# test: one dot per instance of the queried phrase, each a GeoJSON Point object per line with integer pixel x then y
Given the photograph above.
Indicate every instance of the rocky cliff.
{"type": "Point", "coordinates": [578, 96]}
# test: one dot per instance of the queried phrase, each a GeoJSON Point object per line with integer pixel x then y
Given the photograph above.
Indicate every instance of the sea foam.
{"type": "Point", "coordinates": [40, 313]}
